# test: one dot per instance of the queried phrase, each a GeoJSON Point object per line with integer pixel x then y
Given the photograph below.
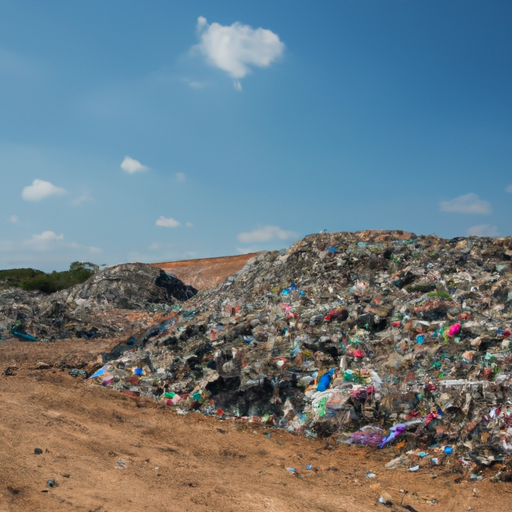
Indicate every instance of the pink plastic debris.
{"type": "Point", "coordinates": [454, 330]}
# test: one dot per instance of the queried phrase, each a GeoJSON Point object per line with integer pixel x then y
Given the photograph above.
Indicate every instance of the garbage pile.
{"type": "Point", "coordinates": [372, 337]}
{"type": "Point", "coordinates": [114, 301]}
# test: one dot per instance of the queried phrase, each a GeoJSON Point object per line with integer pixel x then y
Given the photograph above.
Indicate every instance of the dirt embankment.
{"type": "Point", "coordinates": [109, 453]}
{"type": "Point", "coordinates": [205, 273]}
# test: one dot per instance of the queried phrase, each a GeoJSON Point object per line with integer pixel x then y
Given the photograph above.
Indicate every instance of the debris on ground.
{"type": "Point", "coordinates": [114, 301]}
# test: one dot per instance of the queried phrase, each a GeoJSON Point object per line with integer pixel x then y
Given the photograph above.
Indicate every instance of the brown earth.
{"type": "Point", "coordinates": [205, 273]}
{"type": "Point", "coordinates": [189, 463]}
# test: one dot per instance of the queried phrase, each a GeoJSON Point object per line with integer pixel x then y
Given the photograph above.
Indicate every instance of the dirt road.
{"type": "Point", "coordinates": [108, 452]}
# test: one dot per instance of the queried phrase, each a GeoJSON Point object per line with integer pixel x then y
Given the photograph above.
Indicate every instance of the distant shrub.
{"type": "Point", "coordinates": [32, 280]}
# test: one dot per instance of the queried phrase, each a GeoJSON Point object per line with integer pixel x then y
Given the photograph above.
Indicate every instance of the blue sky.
{"type": "Point", "coordinates": [166, 130]}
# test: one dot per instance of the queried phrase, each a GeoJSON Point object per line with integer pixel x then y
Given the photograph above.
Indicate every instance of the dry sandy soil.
{"type": "Point", "coordinates": [205, 273]}
{"type": "Point", "coordinates": [108, 452]}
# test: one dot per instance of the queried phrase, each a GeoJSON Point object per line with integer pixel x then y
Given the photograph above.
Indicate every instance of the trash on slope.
{"type": "Point", "coordinates": [388, 337]}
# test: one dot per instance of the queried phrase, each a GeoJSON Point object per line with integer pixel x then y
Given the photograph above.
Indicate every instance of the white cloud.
{"type": "Point", "coordinates": [130, 165]}
{"type": "Point", "coordinates": [237, 47]}
{"type": "Point", "coordinates": [167, 223]}
{"type": "Point", "coordinates": [483, 230]}
{"type": "Point", "coordinates": [509, 189]}
{"type": "Point", "coordinates": [266, 234]}
{"type": "Point", "coordinates": [45, 241]}
{"type": "Point", "coordinates": [14, 219]}
{"type": "Point", "coordinates": [46, 236]}
{"type": "Point", "coordinates": [82, 199]}
{"type": "Point", "coordinates": [468, 203]}
{"type": "Point", "coordinates": [95, 250]}
{"type": "Point", "coordinates": [155, 246]}
{"type": "Point", "coordinates": [41, 189]}
{"type": "Point", "coordinates": [180, 177]}
{"type": "Point", "coordinates": [189, 225]}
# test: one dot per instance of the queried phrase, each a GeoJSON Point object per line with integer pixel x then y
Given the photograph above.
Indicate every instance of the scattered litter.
{"type": "Point", "coordinates": [121, 464]}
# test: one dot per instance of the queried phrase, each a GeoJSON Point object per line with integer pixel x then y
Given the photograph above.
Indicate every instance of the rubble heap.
{"type": "Point", "coordinates": [113, 301]}
{"type": "Point", "coordinates": [367, 336]}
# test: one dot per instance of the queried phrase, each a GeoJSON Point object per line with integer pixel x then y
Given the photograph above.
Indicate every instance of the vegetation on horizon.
{"type": "Point", "coordinates": [32, 280]}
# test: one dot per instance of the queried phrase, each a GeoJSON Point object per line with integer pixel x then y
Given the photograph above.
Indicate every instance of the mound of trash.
{"type": "Point", "coordinates": [114, 301]}
{"type": "Point", "coordinates": [372, 337]}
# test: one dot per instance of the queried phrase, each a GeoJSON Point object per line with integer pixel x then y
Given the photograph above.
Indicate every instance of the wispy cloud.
{"type": "Point", "coordinates": [189, 225]}
{"type": "Point", "coordinates": [85, 197]}
{"type": "Point", "coordinates": [46, 249]}
{"type": "Point", "coordinates": [468, 203]}
{"type": "Point", "coordinates": [130, 165]}
{"type": "Point", "coordinates": [48, 241]}
{"type": "Point", "coordinates": [195, 84]}
{"type": "Point", "coordinates": [509, 189]}
{"type": "Point", "coordinates": [246, 250]}
{"type": "Point", "coordinates": [14, 64]}
{"type": "Point", "coordinates": [167, 223]}
{"type": "Point", "coordinates": [40, 190]}
{"type": "Point", "coordinates": [14, 219]}
{"type": "Point", "coordinates": [180, 177]}
{"type": "Point", "coordinates": [484, 230]}
{"type": "Point", "coordinates": [237, 47]}
{"type": "Point", "coordinates": [266, 234]}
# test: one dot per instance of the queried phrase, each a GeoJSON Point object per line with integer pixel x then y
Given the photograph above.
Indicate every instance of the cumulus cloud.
{"type": "Point", "coordinates": [236, 48]}
{"type": "Point", "coordinates": [167, 223]}
{"type": "Point", "coordinates": [266, 234]}
{"type": "Point", "coordinates": [40, 190]}
{"type": "Point", "coordinates": [45, 241]}
{"type": "Point", "coordinates": [509, 189]}
{"type": "Point", "coordinates": [46, 236]}
{"type": "Point", "coordinates": [130, 165]}
{"type": "Point", "coordinates": [468, 203]}
{"type": "Point", "coordinates": [483, 230]}
{"type": "Point", "coordinates": [14, 219]}
{"type": "Point", "coordinates": [180, 177]}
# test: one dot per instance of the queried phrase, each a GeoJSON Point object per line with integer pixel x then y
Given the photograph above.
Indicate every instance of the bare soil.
{"type": "Point", "coordinates": [205, 273]}
{"type": "Point", "coordinates": [108, 452]}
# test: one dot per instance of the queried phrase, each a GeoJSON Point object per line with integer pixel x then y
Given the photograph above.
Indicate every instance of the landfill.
{"type": "Point", "coordinates": [375, 338]}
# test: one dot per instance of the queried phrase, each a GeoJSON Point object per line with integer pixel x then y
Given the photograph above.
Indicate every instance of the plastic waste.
{"type": "Point", "coordinates": [325, 380]}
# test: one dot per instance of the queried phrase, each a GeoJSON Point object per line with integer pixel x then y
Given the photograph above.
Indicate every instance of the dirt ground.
{"type": "Point", "coordinates": [205, 273]}
{"type": "Point", "coordinates": [108, 452]}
